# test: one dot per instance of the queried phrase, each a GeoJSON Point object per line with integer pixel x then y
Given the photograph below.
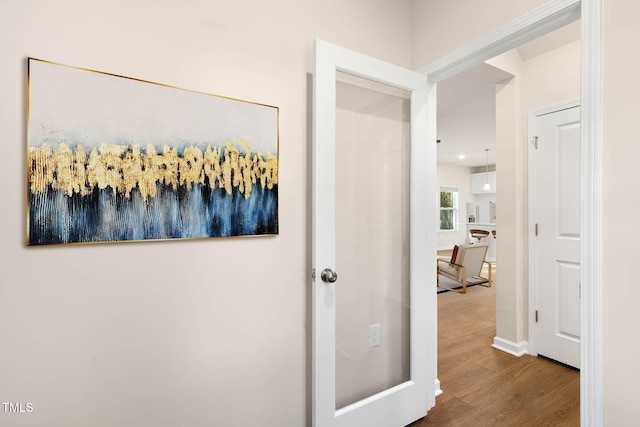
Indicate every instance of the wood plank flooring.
{"type": "Point", "coordinates": [487, 387]}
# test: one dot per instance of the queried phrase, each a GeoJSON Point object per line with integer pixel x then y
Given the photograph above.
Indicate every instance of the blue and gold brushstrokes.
{"type": "Point", "coordinates": [116, 192]}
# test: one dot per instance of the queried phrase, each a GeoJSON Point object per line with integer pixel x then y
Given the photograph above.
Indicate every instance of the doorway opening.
{"type": "Point", "coordinates": [471, 105]}
{"type": "Point", "coordinates": [528, 27]}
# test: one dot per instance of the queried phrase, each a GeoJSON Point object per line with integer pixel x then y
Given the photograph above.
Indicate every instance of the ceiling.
{"type": "Point", "coordinates": [466, 104]}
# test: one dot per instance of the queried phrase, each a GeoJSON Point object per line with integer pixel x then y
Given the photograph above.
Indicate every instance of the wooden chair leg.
{"type": "Point", "coordinates": [490, 269]}
{"type": "Point", "coordinates": [464, 280]}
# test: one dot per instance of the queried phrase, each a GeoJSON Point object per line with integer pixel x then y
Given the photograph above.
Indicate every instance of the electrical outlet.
{"type": "Point", "coordinates": [374, 335]}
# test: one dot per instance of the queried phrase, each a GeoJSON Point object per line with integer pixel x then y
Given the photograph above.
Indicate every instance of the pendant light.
{"type": "Point", "coordinates": [487, 187]}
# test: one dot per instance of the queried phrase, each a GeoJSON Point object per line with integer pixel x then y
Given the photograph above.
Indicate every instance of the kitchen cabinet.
{"type": "Point", "coordinates": [478, 180]}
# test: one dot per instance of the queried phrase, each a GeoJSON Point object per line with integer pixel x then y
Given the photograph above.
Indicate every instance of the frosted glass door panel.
{"type": "Point", "coordinates": [372, 238]}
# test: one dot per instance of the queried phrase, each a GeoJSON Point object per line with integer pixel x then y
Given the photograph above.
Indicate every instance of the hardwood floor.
{"type": "Point", "coordinates": [487, 387]}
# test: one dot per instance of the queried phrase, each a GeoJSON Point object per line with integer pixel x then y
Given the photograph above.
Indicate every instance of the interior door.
{"type": "Point", "coordinates": [374, 213]}
{"type": "Point", "coordinates": [558, 235]}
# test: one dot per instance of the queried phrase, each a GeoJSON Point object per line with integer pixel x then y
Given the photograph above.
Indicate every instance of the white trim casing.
{"type": "Point", "coordinates": [591, 411]}
{"type": "Point", "coordinates": [515, 349]}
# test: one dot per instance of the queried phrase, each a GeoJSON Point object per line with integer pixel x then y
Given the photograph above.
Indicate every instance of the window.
{"type": "Point", "coordinates": [448, 208]}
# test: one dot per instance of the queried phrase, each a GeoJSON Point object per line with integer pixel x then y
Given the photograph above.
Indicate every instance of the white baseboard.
{"type": "Point", "coordinates": [516, 349]}
{"type": "Point", "coordinates": [438, 389]}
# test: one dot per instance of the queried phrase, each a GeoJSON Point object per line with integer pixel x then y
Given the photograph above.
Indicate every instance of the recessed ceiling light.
{"type": "Point", "coordinates": [462, 157]}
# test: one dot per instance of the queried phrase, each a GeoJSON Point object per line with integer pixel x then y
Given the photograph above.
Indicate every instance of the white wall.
{"type": "Point", "coordinates": [209, 332]}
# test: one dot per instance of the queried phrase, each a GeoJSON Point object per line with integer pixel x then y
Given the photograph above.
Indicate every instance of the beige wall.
{"type": "Point", "coordinates": [552, 77]}
{"type": "Point", "coordinates": [510, 207]}
{"type": "Point", "coordinates": [621, 175]}
{"type": "Point", "coordinates": [194, 333]}
{"type": "Point", "coordinates": [183, 332]}
{"type": "Point", "coordinates": [439, 27]}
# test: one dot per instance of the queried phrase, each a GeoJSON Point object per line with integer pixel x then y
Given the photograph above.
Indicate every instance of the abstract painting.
{"type": "Point", "coordinates": [113, 159]}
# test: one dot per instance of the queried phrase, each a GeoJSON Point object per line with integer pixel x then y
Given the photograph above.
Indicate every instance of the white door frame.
{"type": "Point", "coordinates": [532, 191]}
{"type": "Point", "coordinates": [540, 21]}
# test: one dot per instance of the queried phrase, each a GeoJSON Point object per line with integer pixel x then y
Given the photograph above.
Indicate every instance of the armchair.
{"type": "Point", "coordinates": [466, 267]}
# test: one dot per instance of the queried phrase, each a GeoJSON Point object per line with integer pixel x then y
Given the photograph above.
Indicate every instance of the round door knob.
{"type": "Point", "coordinates": [328, 275]}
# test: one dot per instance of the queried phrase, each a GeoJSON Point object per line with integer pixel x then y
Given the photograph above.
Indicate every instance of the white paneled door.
{"type": "Point", "coordinates": [374, 212]}
{"type": "Point", "coordinates": [557, 254]}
